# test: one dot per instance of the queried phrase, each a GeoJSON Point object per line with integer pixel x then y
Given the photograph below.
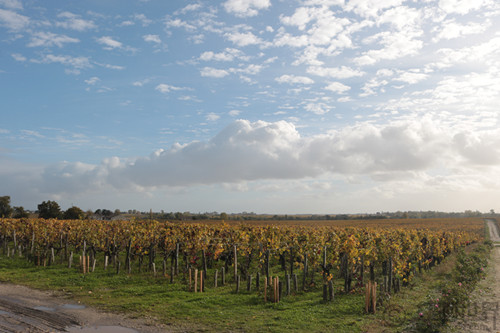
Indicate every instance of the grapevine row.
{"type": "Point", "coordinates": [327, 250]}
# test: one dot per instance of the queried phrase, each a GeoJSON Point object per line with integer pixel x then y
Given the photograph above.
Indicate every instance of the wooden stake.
{"type": "Point", "coordinates": [276, 290]}
{"type": "Point", "coordinates": [201, 281]}
{"type": "Point", "coordinates": [265, 289]}
{"type": "Point", "coordinates": [195, 280]}
{"type": "Point", "coordinates": [235, 261]}
{"type": "Point", "coordinates": [190, 279]}
{"type": "Point", "coordinates": [331, 291]}
{"type": "Point", "coordinates": [215, 278]}
{"type": "Point", "coordinates": [106, 258]}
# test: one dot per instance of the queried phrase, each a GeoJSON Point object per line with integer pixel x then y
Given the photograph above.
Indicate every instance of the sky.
{"type": "Point", "coordinates": [266, 106]}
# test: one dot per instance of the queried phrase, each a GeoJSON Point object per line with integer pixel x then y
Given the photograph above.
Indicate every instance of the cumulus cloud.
{"type": "Point", "coordinates": [109, 43]}
{"type": "Point", "coordinates": [75, 63]}
{"type": "Point", "coordinates": [166, 88]}
{"type": "Point", "coordinates": [152, 39]}
{"type": "Point", "coordinates": [48, 39]}
{"type": "Point", "coordinates": [74, 22]}
{"type": "Point", "coordinates": [342, 72]}
{"type": "Point", "coordinates": [452, 29]}
{"type": "Point", "coordinates": [250, 151]}
{"type": "Point", "coordinates": [11, 4]}
{"type": "Point", "coordinates": [12, 20]}
{"type": "Point", "coordinates": [214, 72]}
{"type": "Point", "coordinates": [229, 54]}
{"type": "Point", "coordinates": [246, 8]}
{"type": "Point", "coordinates": [293, 79]}
{"type": "Point", "coordinates": [18, 57]}
{"type": "Point", "coordinates": [337, 87]}
{"type": "Point", "coordinates": [243, 38]}
{"type": "Point", "coordinates": [462, 6]}
{"type": "Point", "coordinates": [92, 81]}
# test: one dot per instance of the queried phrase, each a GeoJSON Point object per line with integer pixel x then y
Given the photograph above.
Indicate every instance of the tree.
{"type": "Point", "coordinates": [5, 209]}
{"type": "Point", "coordinates": [49, 210]}
{"type": "Point", "coordinates": [74, 213]}
{"type": "Point", "coordinates": [20, 213]}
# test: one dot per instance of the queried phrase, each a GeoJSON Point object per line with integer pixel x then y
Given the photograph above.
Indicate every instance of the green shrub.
{"type": "Point", "coordinates": [453, 299]}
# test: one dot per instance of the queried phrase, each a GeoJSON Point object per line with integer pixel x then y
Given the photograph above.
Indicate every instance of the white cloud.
{"type": "Point", "coordinates": [369, 88]}
{"type": "Point", "coordinates": [370, 8]}
{"type": "Point", "coordinates": [286, 39]}
{"type": "Point", "coordinates": [166, 88]}
{"type": "Point", "coordinates": [462, 6]}
{"type": "Point", "coordinates": [109, 43]}
{"type": "Point", "coordinates": [234, 113]}
{"type": "Point", "coordinates": [77, 63]}
{"type": "Point", "coordinates": [342, 72]}
{"type": "Point", "coordinates": [251, 69]}
{"type": "Point", "coordinates": [126, 23]}
{"type": "Point", "coordinates": [12, 20]}
{"type": "Point", "coordinates": [189, 8]}
{"type": "Point", "coordinates": [143, 19]}
{"type": "Point", "coordinates": [141, 83]}
{"type": "Point", "coordinates": [48, 39]}
{"type": "Point", "coordinates": [212, 116]}
{"type": "Point", "coordinates": [229, 54]}
{"type": "Point", "coordinates": [246, 8]}
{"type": "Point", "coordinates": [178, 23]}
{"type": "Point", "coordinates": [12, 4]}
{"type": "Point", "coordinates": [293, 79]}
{"type": "Point", "coordinates": [401, 17]}
{"type": "Point", "coordinates": [396, 44]}
{"type": "Point", "coordinates": [243, 38]}
{"type": "Point", "coordinates": [92, 81]}
{"type": "Point", "coordinates": [338, 87]}
{"type": "Point", "coordinates": [414, 155]}
{"type": "Point", "coordinates": [213, 72]}
{"type": "Point", "coordinates": [411, 77]}
{"type": "Point", "coordinates": [74, 22]}
{"type": "Point", "coordinates": [152, 39]}
{"type": "Point", "coordinates": [18, 57]}
{"type": "Point", "coordinates": [451, 29]}
{"type": "Point", "coordinates": [109, 66]}
{"type": "Point", "coordinates": [318, 108]}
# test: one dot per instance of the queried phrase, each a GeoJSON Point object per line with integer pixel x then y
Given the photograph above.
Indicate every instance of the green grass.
{"type": "Point", "coordinates": [219, 309]}
{"type": "Point", "coordinates": [141, 295]}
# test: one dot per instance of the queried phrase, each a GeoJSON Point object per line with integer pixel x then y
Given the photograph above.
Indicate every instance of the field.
{"type": "Point", "coordinates": [323, 267]}
{"type": "Point", "coordinates": [473, 225]}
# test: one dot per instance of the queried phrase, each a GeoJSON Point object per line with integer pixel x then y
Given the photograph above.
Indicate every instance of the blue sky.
{"type": "Point", "coordinates": [312, 106]}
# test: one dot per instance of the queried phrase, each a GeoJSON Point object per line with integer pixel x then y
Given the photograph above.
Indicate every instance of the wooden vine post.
{"type": "Point", "coordinates": [265, 289]}
{"type": "Point", "coordinates": [235, 262]}
{"type": "Point", "coordinates": [371, 297]}
{"type": "Point", "coordinates": [196, 280]}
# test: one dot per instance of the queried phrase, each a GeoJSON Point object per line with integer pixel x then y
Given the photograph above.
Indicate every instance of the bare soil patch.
{"type": "Point", "coordinates": [26, 310]}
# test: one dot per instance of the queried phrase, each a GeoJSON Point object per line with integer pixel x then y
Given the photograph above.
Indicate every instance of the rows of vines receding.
{"type": "Point", "coordinates": [314, 253]}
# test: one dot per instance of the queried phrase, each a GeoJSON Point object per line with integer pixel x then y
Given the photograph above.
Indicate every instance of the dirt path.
{"type": "Point", "coordinates": [484, 314]}
{"type": "Point", "coordinates": [27, 310]}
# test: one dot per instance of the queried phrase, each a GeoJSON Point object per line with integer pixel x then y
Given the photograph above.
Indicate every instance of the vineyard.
{"type": "Point", "coordinates": [287, 259]}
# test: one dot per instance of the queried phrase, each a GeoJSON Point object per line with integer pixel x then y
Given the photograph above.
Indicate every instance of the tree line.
{"type": "Point", "coordinates": [51, 210]}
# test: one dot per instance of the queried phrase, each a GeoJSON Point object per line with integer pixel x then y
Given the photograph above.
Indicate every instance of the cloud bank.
{"type": "Point", "coordinates": [428, 147]}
